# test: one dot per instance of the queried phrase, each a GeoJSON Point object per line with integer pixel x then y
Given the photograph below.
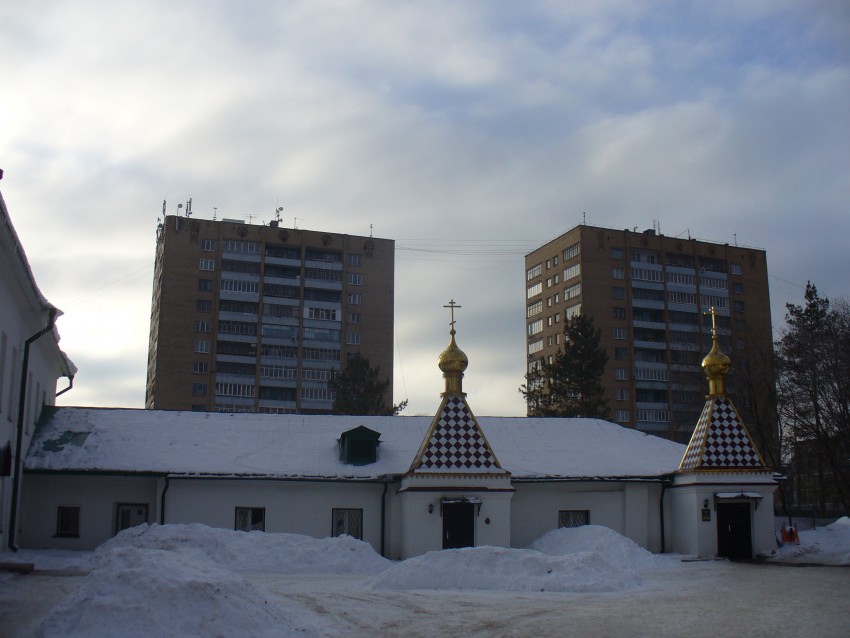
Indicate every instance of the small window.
{"type": "Point", "coordinates": [347, 521]}
{"type": "Point", "coordinates": [250, 519]}
{"type": "Point", "coordinates": [130, 515]}
{"type": "Point", "coordinates": [736, 269]}
{"type": "Point", "coordinates": [738, 306]}
{"type": "Point", "coordinates": [619, 292]}
{"type": "Point", "coordinates": [619, 312]}
{"type": "Point", "coordinates": [622, 374]}
{"type": "Point", "coordinates": [622, 416]}
{"type": "Point", "coordinates": [621, 353]}
{"type": "Point", "coordinates": [355, 279]}
{"type": "Point", "coordinates": [738, 288]}
{"type": "Point", "coordinates": [208, 245]}
{"type": "Point", "coordinates": [202, 325]}
{"type": "Point", "coordinates": [205, 285]}
{"type": "Point", "coordinates": [203, 305]}
{"type": "Point", "coordinates": [352, 339]}
{"type": "Point", "coordinates": [207, 264]}
{"type": "Point", "coordinates": [68, 521]}
{"type": "Point", "coordinates": [618, 273]}
{"type": "Point", "coordinates": [353, 317]}
{"type": "Point", "coordinates": [200, 367]}
{"type": "Point", "coordinates": [199, 389]}
{"type": "Point", "coordinates": [355, 298]}
{"type": "Point", "coordinates": [355, 260]}
{"type": "Point", "coordinates": [202, 347]}
{"type": "Point", "coordinates": [622, 394]}
{"type": "Point", "coordinates": [573, 518]}
{"type": "Point", "coordinates": [616, 253]}
{"type": "Point", "coordinates": [619, 333]}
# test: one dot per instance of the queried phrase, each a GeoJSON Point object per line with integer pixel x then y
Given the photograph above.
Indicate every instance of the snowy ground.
{"type": "Point", "coordinates": [192, 580]}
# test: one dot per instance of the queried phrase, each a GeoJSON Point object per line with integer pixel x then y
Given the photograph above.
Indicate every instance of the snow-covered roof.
{"type": "Point", "coordinates": [305, 446]}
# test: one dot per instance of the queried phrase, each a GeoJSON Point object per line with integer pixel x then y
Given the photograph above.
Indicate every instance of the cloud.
{"type": "Point", "coordinates": [469, 132]}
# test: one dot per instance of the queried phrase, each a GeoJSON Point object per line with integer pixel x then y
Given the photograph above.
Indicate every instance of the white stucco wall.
{"type": "Point", "coordinates": [297, 507]}
{"type": "Point", "coordinates": [631, 509]}
{"type": "Point", "coordinates": [96, 496]}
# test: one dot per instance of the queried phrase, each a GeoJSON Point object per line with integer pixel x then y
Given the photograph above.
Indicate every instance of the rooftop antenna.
{"type": "Point", "coordinates": [215, 210]}
{"type": "Point", "coordinates": [295, 219]}
{"type": "Point", "coordinates": [163, 208]}
{"type": "Point", "coordinates": [189, 208]}
{"type": "Point", "coordinates": [251, 218]}
{"type": "Point", "coordinates": [277, 213]}
{"type": "Point", "coordinates": [179, 206]}
{"type": "Point", "coordinates": [735, 235]}
{"type": "Point", "coordinates": [583, 218]}
{"type": "Point", "coordinates": [370, 230]}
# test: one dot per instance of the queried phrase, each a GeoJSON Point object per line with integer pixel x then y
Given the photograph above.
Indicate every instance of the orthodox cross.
{"type": "Point", "coordinates": [452, 305]}
{"type": "Point", "coordinates": [713, 312]}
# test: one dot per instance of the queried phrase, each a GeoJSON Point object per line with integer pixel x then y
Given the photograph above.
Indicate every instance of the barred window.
{"type": "Point", "coordinates": [347, 521]}
{"type": "Point", "coordinates": [573, 518]}
{"type": "Point", "coordinates": [250, 519]}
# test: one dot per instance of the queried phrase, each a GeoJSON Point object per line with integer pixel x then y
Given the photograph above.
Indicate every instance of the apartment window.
{"type": "Point", "coordinates": [736, 269]}
{"type": "Point", "coordinates": [622, 394]}
{"type": "Point", "coordinates": [535, 346]}
{"type": "Point", "coordinates": [738, 288]}
{"type": "Point", "coordinates": [322, 314]}
{"type": "Point", "coordinates": [199, 389]}
{"type": "Point", "coordinates": [572, 251]}
{"type": "Point", "coordinates": [557, 297]}
{"type": "Point", "coordinates": [621, 353]}
{"type": "Point", "coordinates": [548, 302]}
{"type": "Point", "coordinates": [555, 260]}
{"type": "Point", "coordinates": [740, 324]}
{"type": "Point", "coordinates": [622, 416]}
{"type": "Point", "coordinates": [619, 333]}
{"type": "Point", "coordinates": [644, 274]}
{"type": "Point", "coordinates": [548, 264]}
{"type": "Point", "coordinates": [572, 291]}
{"type": "Point", "coordinates": [534, 289]}
{"type": "Point", "coordinates": [621, 374]}
{"type": "Point", "coordinates": [616, 253]}
{"type": "Point", "coordinates": [202, 325]}
{"type": "Point", "coordinates": [68, 521]}
{"type": "Point", "coordinates": [653, 416]}
{"type": "Point", "coordinates": [548, 282]}
{"type": "Point", "coordinates": [208, 245]}
{"type": "Point", "coordinates": [619, 312]}
{"type": "Point", "coordinates": [203, 305]}
{"type": "Point", "coordinates": [317, 394]}
{"type": "Point", "coordinates": [347, 521]}
{"type": "Point", "coordinates": [355, 279]}
{"type": "Point", "coordinates": [201, 367]}
{"type": "Point", "coordinates": [738, 306]}
{"type": "Point", "coordinates": [355, 259]}
{"type": "Point", "coordinates": [713, 300]}
{"type": "Point", "coordinates": [202, 347]}
{"type": "Point", "coordinates": [618, 292]}
{"type": "Point", "coordinates": [250, 519]}
{"type": "Point", "coordinates": [549, 340]}
{"type": "Point", "coordinates": [534, 327]}
{"type": "Point", "coordinates": [355, 298]}
{"type": "Point", "coordinates": [205, 285]}
{"type": "Point", "coordinates": [234, 390]}
{"type": "Point", "coordinates": [572, 271]}
{"type": "Point", "coordinates": [252, 287]}
{"type": "Point", "coordinates": [207, 264]}
{"type": "Point", "coordinates": [237, 246]}
{"type": "Point", "coordinates": [353, 317]}
{"type": "Point", "coordinates": [533, 272]}
{"type": "Point", "coordinates": [573, 518]}
{"type": "Point", "coordinates": [549, 321]}
{"type": "Point", "coordinates": [618, 273]}
{"type": "Point", "coordinates": [534, 309]}
{"type": "Point", "coordinates": [572, 311]}
{"type": "Point", "coordinates": [352, 339]}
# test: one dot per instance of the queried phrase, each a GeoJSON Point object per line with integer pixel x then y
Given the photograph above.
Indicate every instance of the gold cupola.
{"type": "Point", "coordinates": [453, 361]}
{"type": "Point", "coordinates": [716, 363]}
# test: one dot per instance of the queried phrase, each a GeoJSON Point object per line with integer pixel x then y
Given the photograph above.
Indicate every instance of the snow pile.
{"type": "Point", "coordinates": [828, 545]}
{"type": "Point", "coordinates": [617, 549]}
{"type": "Point", "coordinates": [585, 559]}
{"type": "Point", "coordinates": [153, 592]}
{"type": "Point", "coordinates": [246, 552]}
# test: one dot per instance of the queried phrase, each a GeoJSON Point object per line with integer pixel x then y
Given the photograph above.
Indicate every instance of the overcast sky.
{"type": "Point", "coordinates": [469, 132]}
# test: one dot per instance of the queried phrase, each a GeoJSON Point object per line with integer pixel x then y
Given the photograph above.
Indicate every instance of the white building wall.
{"type": "Point", "coordinates": [96, 496]}
{"type": "Point", "coordinates": [296, 507]}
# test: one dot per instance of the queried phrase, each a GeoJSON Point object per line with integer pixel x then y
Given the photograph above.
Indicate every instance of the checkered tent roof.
{"type": "Point", "coordinates": [720, 440]}
{"type": "Point", "coordinates": [455, 442]}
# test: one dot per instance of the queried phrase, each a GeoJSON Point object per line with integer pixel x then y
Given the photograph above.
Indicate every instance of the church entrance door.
{"type": "Point", "coordinates": [458, 525]}
{"type": "Point", "coordinates": [734, 530]}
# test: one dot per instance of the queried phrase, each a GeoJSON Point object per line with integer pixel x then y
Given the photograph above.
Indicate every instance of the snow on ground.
{"type": "Point", "coordinates": [192, 580]}
{"type": "Point", "coordinates": [829, 545]}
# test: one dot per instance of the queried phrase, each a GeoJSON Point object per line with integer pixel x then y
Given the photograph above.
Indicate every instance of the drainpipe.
{"type": "Point", "coordinates": [384, 514]}
{"type": "Point", "coordinates": [70, 385]}
{"type": "Point", "coordinates": [661, 511]}
{"type": "Point", "coordinates": [19, 443]}
{"type": "Point", "coordinates": [162, 502]}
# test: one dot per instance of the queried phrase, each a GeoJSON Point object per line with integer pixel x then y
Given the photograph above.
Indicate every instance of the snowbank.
{"type": "Point", "coordinates": [247, 552]}
{"type": "Point", "coordinates": [828, 545]}
{"type": "Point", "coordinates": [620, 551]}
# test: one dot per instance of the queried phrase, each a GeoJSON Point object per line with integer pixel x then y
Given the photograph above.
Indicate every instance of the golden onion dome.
{"type": "Point", "coordinates": [716, 366]}
{"type": "Point", "coordinates": [453, 359]}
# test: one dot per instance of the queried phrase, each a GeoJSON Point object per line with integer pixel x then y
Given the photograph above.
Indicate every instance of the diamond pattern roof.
{"type": "Point", "coordinates": [720, 440]}
{"type": "Point", "coordinates": [455, 442]}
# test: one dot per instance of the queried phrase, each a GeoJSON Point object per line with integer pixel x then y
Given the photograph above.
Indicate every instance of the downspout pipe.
{"type": "Point", "coordinates": [384, 515]}
{"type": "Point", "coordinates": [19, 441]}
{"type": "Point", "coordinates": [162, 502]}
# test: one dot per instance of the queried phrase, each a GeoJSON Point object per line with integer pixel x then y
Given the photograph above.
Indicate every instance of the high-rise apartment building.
{"type": "Point", "coordinates": [256, 318]}
{"type": "Point", "coordinates": [647, 294]}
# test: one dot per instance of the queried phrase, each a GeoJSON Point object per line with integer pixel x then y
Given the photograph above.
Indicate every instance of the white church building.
{"type": "Point", "coordinates": [406, 485]}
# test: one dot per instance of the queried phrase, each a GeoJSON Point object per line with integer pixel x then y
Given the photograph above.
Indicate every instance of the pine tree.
{"type": "Point", "coordinates": [359, 390]}
{"type": "Point", "coordinates": [571, 386]}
